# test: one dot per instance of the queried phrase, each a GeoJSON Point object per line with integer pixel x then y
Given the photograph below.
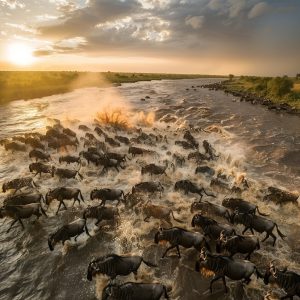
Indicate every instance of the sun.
{"type": "Point", "coordinates": [20, 54]}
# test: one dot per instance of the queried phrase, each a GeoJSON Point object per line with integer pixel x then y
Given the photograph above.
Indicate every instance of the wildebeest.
{"type": "Point", "coordinates": [69, 159]}
{"type": "Point", "coordinates": [114, 265]}
{"type": "Point", "coordinates": [14, 146]}
{"type": "Point", "coordinates": [116, 156]}
{"type": "Point", "coordinates": [148, 187]}
{"type": "Point", "coordinates": [19, 212]}
{"type": "Point", "coordinates": [205, 170]}
{"type": "Point", "coordinates": [38, 154]}
{"type": "Point", "coordinates": [189, 187]}
{"type": "Point", "coordinates": [158, 212]}
{"type": "Point", "coordinates": [209, 150]}
{"type": "Point", "coordinates": [34, 143]}
{"type": "Point", "coordinates": [123, 139]}
{"type": "Point", "coordinates": [135, 291]}
{"type": "Point", "coordinates": [184, 144]}
{"type": "Point", "coordinates": [209, 208]}
{"type": "Point", "coordinates": [287, 280]}
{"type": "Point", "coordinates": [112, 142]}
{"type": "Point", "coordinates": [197, 156]}
{"type": "Point", "coordinates": [257, 223]}
{"type": "Point", "coordinates": [69, 132]}
{"type": "Point", "coordinates": [224, 266]}
{"type": "Point", "coordinates": [101, 213]}
{"type": "Point", "coordinates": [280, 196]}
{"type": "Point", "coordinates": [189, 137]}
{"type": "Point", "coordinates": [211, 227]}
{"type": "Point", "coordinates": [176, 237]}
{"type": "Point", "coordinates": [91, 156]}
{"type": "Point", "coordinates": [64, 193]}
{"type": "Point", "coordinates": [100, 132]}
{"type": "Point", "coordinates": [179, 159]}
{"type": "Point", "coordinates": [154, 169]}
{"type": "Point", "coordinates": [18, 183]}
{"type": "Point", "coordinates": [241, 205]}
{"type": "Point", "coordinates": [109, 163]}
{"type": "Point", "coordinates": [23, 199]}
{"type": "Point", "coordinates": [40, 168]}
{"type": "Point", "coordinates": [107, 194]}
{"type": "Point", "coordinates": [238, 244]}
{"type": "Point", "coordinates": [140, 151]}
{"type": "Point", "coordinates": [83, 128]}
{"type": "Point", "coordinates": [66, 173]}
{"type": "Point", "coordinates": [66, 232]}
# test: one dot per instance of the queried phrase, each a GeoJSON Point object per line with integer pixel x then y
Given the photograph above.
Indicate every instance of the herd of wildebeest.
{"type": "Point", "coordinates": [218, 243]}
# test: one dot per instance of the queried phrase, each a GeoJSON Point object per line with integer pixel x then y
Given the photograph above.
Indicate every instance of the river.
{"type": "Point", "coordinates": [262, 144]}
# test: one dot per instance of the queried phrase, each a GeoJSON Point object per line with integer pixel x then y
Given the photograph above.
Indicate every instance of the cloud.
{"type": "Point", "coordinates": [22, 27]}
{"type": "Point", "coordinates": [258, 10]}
{"type": "Point", "coordinates": [83, 20]}
{"type": "Point", "coordinates": [196, 22]}
{"type": "Point", "coordinates": [12, 4]}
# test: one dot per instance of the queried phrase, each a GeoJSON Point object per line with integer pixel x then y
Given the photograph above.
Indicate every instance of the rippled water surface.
{"type": "Point", "coordinates": [263, 145]}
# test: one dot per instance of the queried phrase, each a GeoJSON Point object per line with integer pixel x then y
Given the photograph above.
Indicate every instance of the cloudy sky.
{"type": "Point", "coordinates": [174, 36]}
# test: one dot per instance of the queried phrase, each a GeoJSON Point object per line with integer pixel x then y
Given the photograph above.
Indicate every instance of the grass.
{"type": "Point", "coordinates": [258, 87]}
{"type": "Point", "coordinates": [16, 85]}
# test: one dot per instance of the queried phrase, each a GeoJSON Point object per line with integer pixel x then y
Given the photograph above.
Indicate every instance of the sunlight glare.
{"type": "Point", "coordinates": [20, 54]}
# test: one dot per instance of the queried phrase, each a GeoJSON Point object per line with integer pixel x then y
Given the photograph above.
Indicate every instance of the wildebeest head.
{"type": "Point", "coordinates": [158, 236]}
{"type": "Point", "coordinates": [93, 194]}
{"type": "Point", "coordinates": [271, 271]}
{"type": "Point", "coordinates": [49, 197]}
{"type": "Point", "coordinates": [221, 242]}
{"type": "Point", "coordinates": [202, 257]}
{"type": "Point", "coordinates": [91, 272]}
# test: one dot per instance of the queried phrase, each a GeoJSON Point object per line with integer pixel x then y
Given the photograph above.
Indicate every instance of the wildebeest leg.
{"type": "Point", "coordinates": [168, 249]}
{"type": "Point", "coordinates": [224, 282]}
{"type": "Point", "coordinates": [11, 225]}
{"type": "Point", "coordinates": [274, 238]}
{"type": "Point", "coordinates": [267, 235]}
{"type": "Point", "coordinates": [135, 275]}
{"type": "Point", "coordinates": [60, 203]}
{"type": "Point", "coordinates": [178, 251]}
{"type": "Point", "coordinates": [147, 219]}
{"type": "Point", "coordinates": [116, 168]}
{"type": "Point", "coordinates": [21, 223]}
{"type": "Point", "coordinates": [248, 255]}
{"type": "Point", "coordinates": [215, 279]}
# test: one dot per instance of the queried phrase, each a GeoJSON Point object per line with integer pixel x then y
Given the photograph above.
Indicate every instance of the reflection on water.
{"type": "Point", "coordinates": [252, 140]}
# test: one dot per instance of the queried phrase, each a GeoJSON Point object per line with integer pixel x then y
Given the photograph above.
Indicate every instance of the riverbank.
{"type": "Point", "coordinates": [17, 85]}
{"type": "Point", "coordinates": [249, 91]}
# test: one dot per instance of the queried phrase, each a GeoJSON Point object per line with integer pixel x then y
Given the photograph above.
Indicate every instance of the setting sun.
{"type": "Point", "coordinates": [20, 54]}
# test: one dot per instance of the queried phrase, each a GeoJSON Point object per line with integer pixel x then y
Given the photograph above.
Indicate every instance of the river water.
{"type": "Point", "coordinates": [253, 141]}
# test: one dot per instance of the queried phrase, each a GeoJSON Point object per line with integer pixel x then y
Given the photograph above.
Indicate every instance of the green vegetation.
{"type": "Point", "coordinates": [28, 85]}
{"type": "Point", "coordinates": [277, 89]}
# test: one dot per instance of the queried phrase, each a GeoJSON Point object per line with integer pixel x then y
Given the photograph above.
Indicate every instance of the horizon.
{"type": "Point", "coordinates": [151, 36]}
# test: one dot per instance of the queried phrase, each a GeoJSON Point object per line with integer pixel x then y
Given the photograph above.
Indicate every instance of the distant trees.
{"type": "Point", "coordinates": [231, 76]}
{"type": "Point", "coordinates": [298, 76]}
{"type": "Point", "coordinates": [280, 86]}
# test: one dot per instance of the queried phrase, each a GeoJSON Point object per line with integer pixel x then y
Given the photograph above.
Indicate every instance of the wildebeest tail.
{"type": "Point", "coordinates": [179, 221]}
{"type": "Point", "coordinates": [149, 264]}
{"type": "Point", "coordinates": [279, 232]}
{"type": "Point", "coordinates": [262, 214]}
{"type": "Point", "coordinates": [207, 194]}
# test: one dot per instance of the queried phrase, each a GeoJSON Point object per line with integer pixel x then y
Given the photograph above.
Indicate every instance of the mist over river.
{"type": "Point", "coordinates": [251, 140]}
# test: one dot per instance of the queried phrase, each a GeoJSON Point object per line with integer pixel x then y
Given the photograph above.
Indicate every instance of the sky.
{"type": "Point", "coordinates": [249, 37]}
